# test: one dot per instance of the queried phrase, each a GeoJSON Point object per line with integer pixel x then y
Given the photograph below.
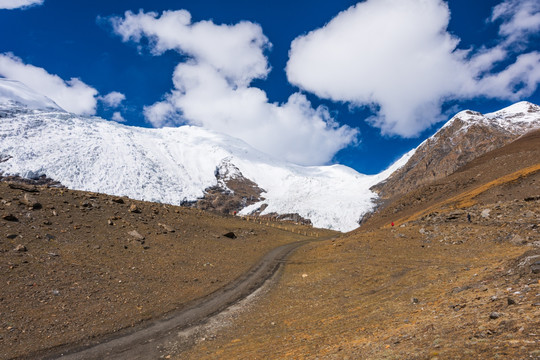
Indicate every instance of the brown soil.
{"type": "Point", "coordinates": [73, 269]}
{"type": "Point", "coordinates": [435, 286]}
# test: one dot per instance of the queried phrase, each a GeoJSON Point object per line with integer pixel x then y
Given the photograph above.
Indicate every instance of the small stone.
{"type": "Point", "coordinates": [56, 292]}
{"type": "Point", "coordinates": [415, 300]}
{"type": "Point", "coordinates": [136, 235]}
{"type": "Point", "coordinates": [118, 200]}
{"type": "Point", "coordinates": [485, 213]}
{"type": "Point", "coordinates": [20, 248]}
{"type": "Point", "coordinates": [166, 227]}
{"type": "Point", "coordinates": [12, 236]}
{"type": "Point", "coordinates": [10, 217]}
{"type": "Point", "coordinates": [230, 235]}
{"type": "Point", "coordinates": [494, 315]}
{"type": "Point", "coordinates": [134, 209]}
{"type": "Point", "coordinates": [31, 202]}
{"type": "Point", "coordinates": [511, 301]}
{"type": "Point", "coordinates": [517, 240]}
{"type": "Point", "coordinates": [110, 222]}
{"type": "Point", "coordinates": [50, 237]}
{"type": "Point", "coordinates": [47, 222]}
{"type": "Point", "coordinates": [54, 213]}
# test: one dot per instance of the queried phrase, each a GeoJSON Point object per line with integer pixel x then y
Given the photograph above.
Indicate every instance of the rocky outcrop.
{"type": "Point", "coordinates": [232, 193]}
{"type": "Point", "coordinates": [465, 137]}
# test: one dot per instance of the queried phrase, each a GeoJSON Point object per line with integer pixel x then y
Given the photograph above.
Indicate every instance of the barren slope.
{"type": "Point", "coordinates": [76, 265]}
{"type": "Point", "coordinates": [435, 287]}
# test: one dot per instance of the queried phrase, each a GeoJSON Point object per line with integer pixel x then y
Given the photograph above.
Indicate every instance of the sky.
{"type": "Point", "coordinates": [311, 82]}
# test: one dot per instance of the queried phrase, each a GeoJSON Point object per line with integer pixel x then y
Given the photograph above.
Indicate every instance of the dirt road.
{"type": "Point", "coordinates": [145, 342]}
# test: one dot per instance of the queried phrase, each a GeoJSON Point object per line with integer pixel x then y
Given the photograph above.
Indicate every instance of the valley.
{"type": "Point", "coordinates": [125, 243]}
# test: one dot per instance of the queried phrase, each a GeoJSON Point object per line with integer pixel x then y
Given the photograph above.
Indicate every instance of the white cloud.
{"type": "Point", "coordinates": [118, 117]}
{"type": "Point", "coordinates": [520, 18]}
{"type": "Point", "coordinates": [72, 95]}
{"type": "Point", "coordinates": [398, 57]}
{"type": "Point", "coordinates": [16, 4]}
{"type": "Point", "coordinates": [113, 99]}
{"type": "Point", "coordinates": [233, 50]}
{"type": "Point", "coordinates": [212, 88]}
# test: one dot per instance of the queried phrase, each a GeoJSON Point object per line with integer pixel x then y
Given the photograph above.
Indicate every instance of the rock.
{"type": "Point", "coordinates": [454, 215]}
{"type": "Point", "coordinates": [511, 301]}
{"type": "Point", "coordinates": [166, 227]}
{"type": "Point", "coordinates": [110, 222]}
{"type": "Point", "coordinates": [485, 213]}
{"type": "Point", "coordinates": [535, 268]}
{"type": "Point", "coordinates": [134, 209]}
{"type": "Point", "coordinates": [20, 248]}
{"type": "Point", "coordinates": [50, 237]}
{"type": "Point", "coordinates": [31, 202]}
{"type": "Point", "coordinates": [10, 217]}
{"type": "Point", "coordinates": [23, 187]}
{"type": "Point", "coordinates": [517, 240]}
{"type": "Point", "coordinates": [12, 236]}
{"type": "Point", "coordinates": [136, 235]}
{"type": "Point", "coordinates": [494, 315]}
{"type": "Point", "coordinates": [415, 300]}
{"type": "Point", "coordinates": [230, 235]}
{"type": "Point", "coordinates": [118, 200]}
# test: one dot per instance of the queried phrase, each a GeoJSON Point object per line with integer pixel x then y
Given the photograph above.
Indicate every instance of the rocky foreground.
{"type": "Point", "coordinates": [77, 266]}
{"type": "Point", "coordinates": [457, 277]}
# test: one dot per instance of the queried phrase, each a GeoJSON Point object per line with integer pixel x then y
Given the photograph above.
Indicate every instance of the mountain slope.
{"type": "Point", "coordinates": [465, 137]}
{"type": "Point", "coordinates": [172, 165]}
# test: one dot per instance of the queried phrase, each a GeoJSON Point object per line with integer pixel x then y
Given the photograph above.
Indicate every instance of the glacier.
{"type": "Point", "coordinates": [168, 165]}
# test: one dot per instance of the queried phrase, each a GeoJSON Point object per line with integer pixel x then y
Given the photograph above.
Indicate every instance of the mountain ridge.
{"type": "Point", "coordinates": [191, 165]}
{"type": "Point", "coordinates": [466, 136]}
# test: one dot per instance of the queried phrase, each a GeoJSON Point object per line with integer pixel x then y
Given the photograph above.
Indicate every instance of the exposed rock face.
{"type": "Point", "coordinates": [465, 137]}
{"type": "Point", "coordinates": [232, 193]}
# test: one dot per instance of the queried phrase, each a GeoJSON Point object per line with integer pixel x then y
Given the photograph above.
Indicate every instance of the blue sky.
{"type": "Point", "coordinates": [313, 82]}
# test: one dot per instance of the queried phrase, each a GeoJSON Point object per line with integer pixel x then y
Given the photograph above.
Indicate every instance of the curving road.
{"type": "Point", "coordinates": [145, 343]}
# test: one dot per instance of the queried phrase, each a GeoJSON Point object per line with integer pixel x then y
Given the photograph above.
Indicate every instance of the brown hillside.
{"type": "Point", "coordinates": [434, 287]}
{"type": "Point", "coordinates": [76, 265]}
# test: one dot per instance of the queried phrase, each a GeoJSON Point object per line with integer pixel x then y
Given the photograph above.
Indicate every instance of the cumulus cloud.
{"type": "Point", "coordinates": [397, 57]}
{"type": "Point", "coordinates": [72, 95]}
{"type": "Point", "coordinates": [113, 99]}
{"type": "Point", "coordinates": [17, 4]}
{"type": "Point", "coordinates": [117, 116]}
{"type": "Point", "coordinates": [212, 87]}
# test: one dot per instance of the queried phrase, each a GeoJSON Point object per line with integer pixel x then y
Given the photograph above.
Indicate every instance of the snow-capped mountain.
{"type": "Point", "coordinates": [466, 136]}
{"type": "Point", "coordinates": [169, 165]}
{"type": "Point", "coordinates": [190, 164]}
{"type": "Point", "coordinates": [17, 96]}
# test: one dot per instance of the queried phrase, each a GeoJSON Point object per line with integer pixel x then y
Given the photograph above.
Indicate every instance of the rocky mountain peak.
{"type": "Point", "coordinates": [468, 135]}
